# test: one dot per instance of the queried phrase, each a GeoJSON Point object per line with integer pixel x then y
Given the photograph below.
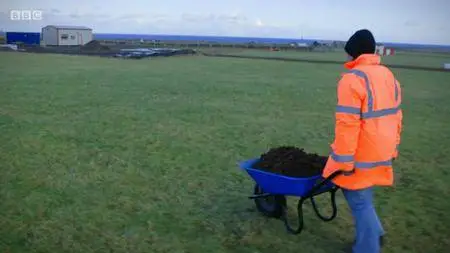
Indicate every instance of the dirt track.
{"type": "Point", "coordinates": [94, 48]}
{"type": "Point", "coordinates": [322, 61]}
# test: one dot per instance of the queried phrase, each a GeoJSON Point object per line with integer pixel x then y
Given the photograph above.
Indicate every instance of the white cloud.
{"type": "Point", "coordinates": [259, 23]}
{"type": "Point", "coordinates": [226, 20]}
{"type": "Point", "coordinates": [232, 24]}
{"type": "Point", "coordinates": [197, 17]}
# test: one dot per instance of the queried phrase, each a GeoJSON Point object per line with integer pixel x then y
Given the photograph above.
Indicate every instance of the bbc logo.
{"type": "Point", "coordinates": [25, 15]}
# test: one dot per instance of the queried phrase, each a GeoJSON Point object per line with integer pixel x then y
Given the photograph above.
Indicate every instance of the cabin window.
{"type": "Point", "coordinates": [64, 36]}
{"type": "Point", "coordinates": [72, 37]}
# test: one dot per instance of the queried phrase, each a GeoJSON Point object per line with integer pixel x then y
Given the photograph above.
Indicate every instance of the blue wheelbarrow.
{"type": "Point", "coordinates": [271, 189]}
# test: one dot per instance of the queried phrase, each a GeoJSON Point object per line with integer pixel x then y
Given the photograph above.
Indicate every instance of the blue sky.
{"type": "Point", "coordinates": [420, 21]}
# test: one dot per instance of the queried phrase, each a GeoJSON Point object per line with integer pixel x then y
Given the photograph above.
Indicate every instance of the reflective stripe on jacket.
{"type": "Point", "coordinates": [368, 125]}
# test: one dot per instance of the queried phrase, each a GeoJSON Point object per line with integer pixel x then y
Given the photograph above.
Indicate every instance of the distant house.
{"type": "Point", "coordinates": [383, 51]}
{"type": "Point", "coordinates": [303, 45]}
{"type": "Point", "coordinates": [59, 35]}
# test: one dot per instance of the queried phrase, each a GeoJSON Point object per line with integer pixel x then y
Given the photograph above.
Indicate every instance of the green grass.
{"type": "Point", "coordinates": [104, 155]}
{"type": "Point", "coordinates": [400, 58]}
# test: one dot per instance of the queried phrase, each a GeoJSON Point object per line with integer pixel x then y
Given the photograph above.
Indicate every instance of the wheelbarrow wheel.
{"type": "Point", "coordinates": [271, 206]}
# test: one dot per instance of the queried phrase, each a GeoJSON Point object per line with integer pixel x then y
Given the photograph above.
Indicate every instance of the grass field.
{"type": "Point", "coordinates": [105, 155]}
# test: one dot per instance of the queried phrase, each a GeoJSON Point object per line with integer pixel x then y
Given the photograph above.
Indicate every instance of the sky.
{"type": "Point", "coordinates": [404, 21]}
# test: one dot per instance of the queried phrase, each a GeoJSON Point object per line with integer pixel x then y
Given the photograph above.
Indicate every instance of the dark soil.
{"type": "Point", "coordinates": [292, 162]}
{"type": "Point", "coordinates": [94, 45]}
{"type": "Point", "coordinates": [95, 48]}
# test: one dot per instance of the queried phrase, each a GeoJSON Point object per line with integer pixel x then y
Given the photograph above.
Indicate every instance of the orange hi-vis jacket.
{"type": "Point", "coordinates": [368, 125]}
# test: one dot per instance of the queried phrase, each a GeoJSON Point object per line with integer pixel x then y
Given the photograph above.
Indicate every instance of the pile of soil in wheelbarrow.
{"type": "Point", "coordinates": [291, 162]}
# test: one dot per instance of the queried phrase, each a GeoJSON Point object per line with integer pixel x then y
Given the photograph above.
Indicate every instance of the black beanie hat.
{"type": "Point", "coordinates": [362, 42]}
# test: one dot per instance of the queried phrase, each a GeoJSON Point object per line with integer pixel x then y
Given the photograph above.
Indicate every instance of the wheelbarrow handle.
{"type": "Point", "coordinates": [323, 182]}
{"type": "Point", "coordinates": [333, 175]}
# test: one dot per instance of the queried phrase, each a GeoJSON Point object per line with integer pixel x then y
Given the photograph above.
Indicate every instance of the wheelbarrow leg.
{"type": "Point", "coordinates": [333, 207]}
{"type": "Point", "coordinates": [268, 204]}
{"type": "Point", "coordinates": [317, 188]}
{"type": "Point", "coordinates": [299, 228]}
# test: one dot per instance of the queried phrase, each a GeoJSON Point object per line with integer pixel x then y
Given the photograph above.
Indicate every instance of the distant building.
{"type": "Point", "coordinates": [384, 51]}
{"type": "Point", "coordinates": [59, 35]}
{"type": "Point", "coordinates": [24, 38]}
{"type": "Point", "coordinates": [302, 45]}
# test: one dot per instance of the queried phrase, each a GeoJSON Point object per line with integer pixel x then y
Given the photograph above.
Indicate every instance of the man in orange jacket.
{"type": "Point", "coordinates": [367, 135]}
